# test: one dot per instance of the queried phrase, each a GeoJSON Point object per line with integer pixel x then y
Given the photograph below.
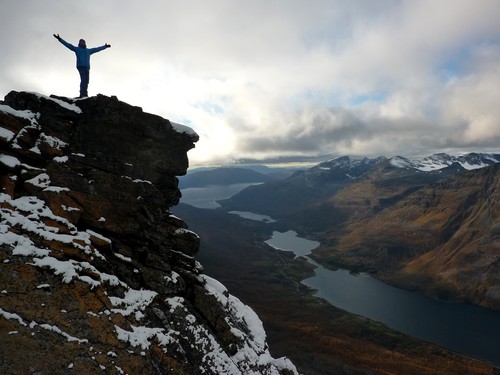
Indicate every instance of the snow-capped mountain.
{"type": "Point", "coordinates": [316, 186]}
{"type": "Point", "coordinates": [440, 161]}
{"type": "Point", "coordinates": [430, 163]}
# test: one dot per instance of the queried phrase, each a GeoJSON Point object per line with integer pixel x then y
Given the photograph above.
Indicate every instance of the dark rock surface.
{"type": "Point", "coordinates": [96, 273]}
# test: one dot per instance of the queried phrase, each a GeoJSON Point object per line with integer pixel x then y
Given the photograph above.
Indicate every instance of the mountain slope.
{"type": "Point", "coordinates": [301, 190]}
{"type": "Point", "coordinates": [305, 192]}
{"type": "Point", "coordinates": [412, 222]}
{"type": "Point", "coordinates": [97, 275]}
{"type": "Point", "coordinates": [467, 263]}
{"type": "Point", "coordinates": [443, 239]}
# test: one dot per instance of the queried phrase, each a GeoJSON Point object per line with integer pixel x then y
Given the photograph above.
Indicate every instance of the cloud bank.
{"type": "Point", "coordinates": [267, 79]}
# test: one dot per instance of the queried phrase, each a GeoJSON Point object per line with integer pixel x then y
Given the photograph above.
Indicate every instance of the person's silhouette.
{"type": "Point", "coordinates": [82, 61]}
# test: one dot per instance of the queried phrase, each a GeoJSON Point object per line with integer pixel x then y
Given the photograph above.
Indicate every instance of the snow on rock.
{"type": "Point", "coordinates": [9, 161]}
{"type": "Point", "coordinates": [254, 348]}
{"type": "Point", "coordinates": [49, 327]}
{"type": "Point", "coordinates": [175, 303]}
{"type": "Point", "coordinates": [138, 181]}
{"type": "Point", "coordinates": [439, 161]}
{"type": "Point", "coordinates": [123, 257]}
{"type": "Point", "coordinates": [238, 310]}
{"type": "Point", "coordinates": [12, 316]}
{"type": "Point", "coordinates": [41, 181]}
{"type": "Point", "coordinates": [52, 141]}
{"type": "Point", "coordinates": [469, 166]}
{"type": "Point", "coordinates": [134, 301]}
{"type": "Point", "coordinates": [186, 231]}
{"type": "Point", "coordinates": [142, 336]}
{"type": "Point", "coordinates": [62, 103]}
{"type": "Point", "coordinates": [66, 220]}
{"type": "Point", "coordinates": [61, 159]}
{"type": "Point", "coordinates": [6, 134]}
{"type": "Point", "coordinates": [400, 162]}
{"type": "Point", "coordinates": [53, 328]}
{"type": "Point", "coordinates": [26, 114]}
{"type": "Point", "coordinates": [183, 129]}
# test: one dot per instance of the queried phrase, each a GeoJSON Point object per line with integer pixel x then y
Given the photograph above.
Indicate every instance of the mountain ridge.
{"type": "Point", "coordinates": [353, 207]}
{"type": "Point", "coordinates": [329, 176]}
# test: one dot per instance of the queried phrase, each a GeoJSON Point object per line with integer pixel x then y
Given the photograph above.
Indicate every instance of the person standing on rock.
{"type": "Point", "coordinates": [82, 61]}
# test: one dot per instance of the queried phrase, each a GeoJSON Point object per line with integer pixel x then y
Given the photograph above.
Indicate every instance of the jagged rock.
{"type": "Point", "coordinates": [96, 273]}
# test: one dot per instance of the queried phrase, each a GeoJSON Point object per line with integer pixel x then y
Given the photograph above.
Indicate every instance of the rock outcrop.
{"type": "Point", "coordinates": [96, 274]}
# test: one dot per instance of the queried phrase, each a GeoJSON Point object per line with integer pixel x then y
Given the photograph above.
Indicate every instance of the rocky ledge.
{"type": "Point", "coordinates": [96, 274]}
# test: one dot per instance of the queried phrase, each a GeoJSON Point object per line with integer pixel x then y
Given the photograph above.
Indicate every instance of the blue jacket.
{"type": "Point", "coordinates": [82, 53]}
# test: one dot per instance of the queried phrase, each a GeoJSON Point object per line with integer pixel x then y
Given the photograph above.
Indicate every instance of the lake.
{"type": "Point", "coordinates": [291, 242]}
{"type": "Point", "coordinates": [464, 328]}
{"type": "Point", "coordinates": [252, 216]}
{"type": "Point", "coordinates": [207, 197]}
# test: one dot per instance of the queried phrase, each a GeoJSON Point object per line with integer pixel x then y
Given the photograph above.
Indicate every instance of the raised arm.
{"type": "Point", "coordinates": [97, 49]}
{"type": "Point", "coordinates": [64, 43]}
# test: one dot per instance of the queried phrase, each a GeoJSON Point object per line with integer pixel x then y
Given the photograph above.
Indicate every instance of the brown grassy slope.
{"type": "Point", "coordinates": [443, 237]}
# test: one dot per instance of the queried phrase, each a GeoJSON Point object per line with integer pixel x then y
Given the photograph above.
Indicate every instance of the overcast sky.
{"type": "Point", "coordinates": [276, 78]}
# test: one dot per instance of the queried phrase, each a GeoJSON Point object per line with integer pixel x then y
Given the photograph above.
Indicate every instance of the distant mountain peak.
{"type": "Point", "coordinates": [442, 160]}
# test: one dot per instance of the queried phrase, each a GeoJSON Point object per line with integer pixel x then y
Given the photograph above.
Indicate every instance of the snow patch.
{"type": "Point", "coordinates": [469, 166]}
{"type": "Point", "coordinates": [137, 181]}
{"type": "Point", "coordinates": [49, 327]}
{"type": "Point", "coordinates": [9, 161]}
{"type": "Point", "coordinates": [69, 209]}
{"type": "Point", "coordinates": [6, 134]}
{"type": "Point", "coordinates": [53, 142]}
{"type": "Point", "coordinates": [175, 303]}
{"type": "Point", "coordinates": [179, 231]}
{"type": "Point", "coordinates": [67, 336]}
{"type": "Point", "coordinates": [253, 349]}
{"type": "Point", "coordinates": [142, 336]}
{"type": "Point", "coordinates": [123, 257]}
{"type": "Point", "coordinates": [134, 301]}
{"type": "Point", "coordinates": [60, 159]}
{"type": "Point", "coordinates": [62, 103]}
{"type": "Point", "coordinates": [12, 316]}
{"type": "Point", "coordinates": [41, 181]}
{"type": "Point", "coordinates": [99, 236]}
{"type": "Point", "coordinates": [183, 129]}
{"type": "Point", "coordinates": [400, 162]}
{"type": "Point", "coordinates": [26, 114]}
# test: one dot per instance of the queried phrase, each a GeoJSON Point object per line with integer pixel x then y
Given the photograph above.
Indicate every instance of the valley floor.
{"type": "Point", "coordinates": [317, 337]}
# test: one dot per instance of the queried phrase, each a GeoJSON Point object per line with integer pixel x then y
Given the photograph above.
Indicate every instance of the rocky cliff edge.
{"type": "Point", "coordinates": [96, 274]}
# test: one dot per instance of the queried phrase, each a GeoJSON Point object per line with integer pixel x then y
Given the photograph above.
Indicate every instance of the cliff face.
{"type": "Point", "coordinates": [96, 273]}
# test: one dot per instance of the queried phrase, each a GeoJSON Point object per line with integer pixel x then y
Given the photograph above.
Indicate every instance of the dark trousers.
{"type": "Point", "coordinates": [84, 80]}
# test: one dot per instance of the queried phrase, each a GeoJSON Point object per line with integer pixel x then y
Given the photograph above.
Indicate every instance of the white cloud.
{"type": "Point", "coordinates": [267, 78]}
{"type": "Point", "coordinates": [472, 99]}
